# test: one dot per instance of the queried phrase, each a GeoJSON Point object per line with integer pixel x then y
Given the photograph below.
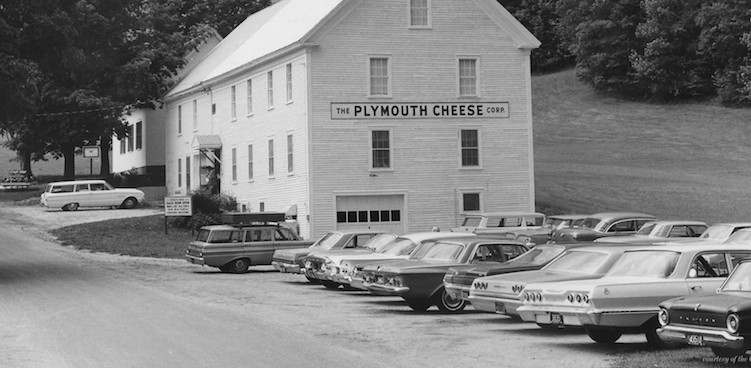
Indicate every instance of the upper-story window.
{"type": "Point", "coordinates": [249, 97]}
{"type": "Point", "coordinates": [234, 164]}
{"type": "Point", "coordinates": [271, 157]}
{"type": "Point", "coordinates": [131, 138]}
{"type": "Point", "coordinates": [468, 77]}
{"type": "Point", "coordinates": [470, 147]}
{"type": "Point", "coordinates": [380, 143]}
{"type": "Point", "coordinates": [380, 76]}
{"type": "Point", "coordinates": [250, 162]}
{"type": "Point", "coordinates": [233, 102]}
{"type": "Point", "coordinates": [195, 115]}
{"type": "Point", "coordinates": [139, 135]}
{"type": "Point", "coordinates": [270, 88]}
{"type": "Point", "coordinates": [179, 119]}
{"type": "Point", "coordinates": [419, 13]}
{"type": "Point", "coordinates": [179, 172]}
{"type": "Point", "coordinates": [123, 149]}
{"type": "Point", "coordinates": [290, 156]}
{"type": "Point", "coordinates": [289, 82]}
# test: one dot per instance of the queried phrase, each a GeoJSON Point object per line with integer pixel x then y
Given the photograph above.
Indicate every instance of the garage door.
{"type": "Point", "coordinates": [380, 212]}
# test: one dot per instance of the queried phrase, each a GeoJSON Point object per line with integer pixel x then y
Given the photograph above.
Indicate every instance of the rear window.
{"type": "Point", "coordinates": [62, 188]}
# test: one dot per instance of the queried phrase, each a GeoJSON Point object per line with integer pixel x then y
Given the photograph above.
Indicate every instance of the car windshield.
{"type": "Point", "coordinates": [380, 242]}
{"type": "Point", "coordinates": [739, 279]}
{"type": "Point", "coordinates": [438, 251]}
{"type": "Point", "coordinates": [578, 261]}
{"type": "Point", "coordinates": [652, 263]}
{"type": "Point", "coordinates": [539, 255]}
{"type": "Point", "coordinates": [203, 235]}
{"type": "Point", "coordinates": [718, 232]}
{"type": "Point", "coordinates": [400, 247]}
{"type": "Point", "coordinates": [328, 241]}
{"type": "Point", "coordinates": [742, 237]}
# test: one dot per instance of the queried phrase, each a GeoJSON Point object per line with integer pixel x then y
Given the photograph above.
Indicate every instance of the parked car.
{"type": "Point", "coordinates": [533, 235]}
{"type": "Point", "coordinates": [322, 266]}
{"type": "Point", "coordinates": [603, 224]}
{"type": "Point", "coordinates": [500, 222]}
{"type": "Point", "coordinates": [556, 222]}
{"type": "Point", "coordinates": [626, 299]}
{"type": "Point", "coordinates": [458, 280]}
{"type": "Point", "coordinates": [717, 233]}
{"type": "Point", "coordinates": [291, 260]}
{"type": "Point", "coordinates": [247, 239]}
{"type": "Point", "coordinates": [720, 320]}
{"type": "Point", "coordinates": [661, 231]}
{"type": "Point", "coordinates": [70, 195]}
{"type": "Point", "coordinates": [419, 279]}
{"type": "Point", "coordinates": [740, 237]}
{"type": "Point", "coordinates": [502, 293]}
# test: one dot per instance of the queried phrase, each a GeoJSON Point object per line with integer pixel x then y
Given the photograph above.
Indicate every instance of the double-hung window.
{"type": "Point", "coordinates": [234, 164]}
{"type": "Point", "coordinates": [179, 120]}
{"type": "Point", "coordinates": [290, 156]}
{"type": "Point", "coordinates": [289, 83]}
{"type": "Point", "coordinates": [270, 88]}
{"type": "Point", "coordinates": [419, 13]}
{"type": "Point", "coordinates": [271, 157]}
{"type": "Point", "coordinates": [249, 97]}
{"type": "Point", "coordinates": [139, 135]}
{"type": "Point", "coordinates": [131, 138]}
{"type": "Point", "coordinates": [470, 147]}
{"type": "Point", "coordinates": [468, 77]}
{"type": "Point", "coordinates": [380, 143]}
{"type": "Point", "coordinates": [379, 76]}
{"type": "Point", "coordinates": [233, 102]}
{"type": "Point", "coordinates": [195, 115]}
{"type": "Point", "coordinates": [250, 162]}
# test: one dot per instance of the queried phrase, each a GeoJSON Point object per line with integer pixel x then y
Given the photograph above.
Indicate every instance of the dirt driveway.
{"type": "Point", "coordinates": [383, 328]}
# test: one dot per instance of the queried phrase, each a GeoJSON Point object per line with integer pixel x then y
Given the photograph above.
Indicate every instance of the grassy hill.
{"type": "Point", "coordinates": [676, 161]}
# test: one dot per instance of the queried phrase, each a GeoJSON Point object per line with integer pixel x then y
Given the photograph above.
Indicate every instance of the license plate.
{"type": "Point", "coordinates": [500, 308]}
{"type": "Point", "coordinates": [556, 319]}
{"type": "Point", "coordinates": [697, 340]}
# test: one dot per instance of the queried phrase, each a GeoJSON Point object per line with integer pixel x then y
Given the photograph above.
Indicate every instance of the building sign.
{"type": "Point", "coordinates": [90, 151]}
{"type": "Point", "coordinates": [420, 110]}
{"type": "Point", "coordinates": [178, 206]}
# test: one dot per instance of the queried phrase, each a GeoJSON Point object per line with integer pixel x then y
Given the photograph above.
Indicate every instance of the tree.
{"type": "Point", "coordinates": [222, 15]}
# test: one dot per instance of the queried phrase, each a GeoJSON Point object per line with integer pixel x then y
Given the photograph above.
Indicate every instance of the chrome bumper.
{"type": "Point", "coordinates": [195, 260]}
{"type": "Point", "coordinates": [709, 337]}
{"type": "Point", "coordinates": [287, 267]}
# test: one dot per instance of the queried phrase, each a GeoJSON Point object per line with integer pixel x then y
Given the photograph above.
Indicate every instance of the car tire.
{"type": "Point", "coordinates": [70, 207]}
{"type": "Point", "coordinates": [604, 335]}
{"type": "Point", "coordinates": [727, 352]}
{"type": "Point", "coordinates": [447, 304]}
{"type": "Point", "coordinates": [653, 339]}
{"type": "Point", "coordinates": [330, 284]}
{"type": "Point", "coordinates": [237, 266]}
{"type": "Point", "coordinates": [418, 305]}
{"type": "Point", "coordinates": [129, 203]}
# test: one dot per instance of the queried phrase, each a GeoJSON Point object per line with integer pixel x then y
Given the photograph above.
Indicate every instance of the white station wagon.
{"type": "Point", "coordinates": [69, 195]}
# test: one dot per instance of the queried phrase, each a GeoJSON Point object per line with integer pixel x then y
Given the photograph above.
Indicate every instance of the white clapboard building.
{"type": "Point", "coordinates": [391, 114]}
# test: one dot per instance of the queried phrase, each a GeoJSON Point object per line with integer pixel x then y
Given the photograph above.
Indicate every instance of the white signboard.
{"type": "Point", "coordinates": [419, 110]}
{"type": "Point", "coordinates": [178, 206]}
{"type": "Point", "coordinates": [90, 151]}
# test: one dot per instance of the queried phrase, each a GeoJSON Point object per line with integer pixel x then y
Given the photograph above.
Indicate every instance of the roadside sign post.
{"type": "Point", "coordinates": [91, 152]}
{"type": "Point", "coordinates": [177, 206]}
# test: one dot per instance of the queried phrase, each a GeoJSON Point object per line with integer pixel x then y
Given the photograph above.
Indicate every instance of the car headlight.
{"type": "Point", "coordinates": [663, 317]}
{"type": "Point", "coordinates": [732, 323]}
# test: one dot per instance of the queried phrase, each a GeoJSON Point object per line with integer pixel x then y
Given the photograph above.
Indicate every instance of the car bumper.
{"type": "Point", "coordinates": [573, 316]}
{"type": "Point", "coordinates": [494, 304]}
{"type": "Point", "coordinates": [457, 291]}
{"type": "Point", "coordinates": [701, 337]}
{"type": "Point", "coordinates": [380, 289]}
{"type": "Point", "coordinates": [357, 284]}
{"type": "Point", "coordinates": [287, 267]}
{"type": "Point", "coordinates": [195, 260]}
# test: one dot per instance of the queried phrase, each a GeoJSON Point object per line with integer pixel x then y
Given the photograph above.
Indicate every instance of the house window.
{"type": "Point", "coordinates": [233, 103]}
{"type": "Point", "coordinates": [379, 76]}
{"type": "Point", "coordinates": [270, 88]}
{"type": "Point", "coordinates": [471, 202]}
{"type": "Point", "coordinates": [470, 143]}
{"type": "Point", "coordinates": [271, 157]}
{"type": "Point", "coordinates": [179, 172]}
{"type": "Point", "coordinates": [131, 138]}
{"type": "Point", "coordinates": [250, 162]}
{"type": "Point", "coordinates": [289, 82]}
{"type": "Point", "coordinates": [381, 149]}
{"type": "Point", "coordinates": [123, 149]}
{"type": "Point", "coordinates": [467, 77]}
{"type": "Point", "coordinates": [419, 13]}
{"type": "Point", "coordinates": [139, 135]}
{"type": "Point", "coordinates": [234, 164]}
{"type": "Point", "coordinates": [179, 119]}
{"type": "Point", "coordinates": [195, 115]}
{"type": "Point", "coordinates": [187, 172]}
{"type": "Point", "coordinates": [290, 158]}
{"type": "Point", "coordinates": [250, 96]}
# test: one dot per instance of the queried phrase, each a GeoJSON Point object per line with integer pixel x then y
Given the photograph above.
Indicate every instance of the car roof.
{"type": "Point", "coordinates": [614, 215]}
{"type": "Point", "coordinates": [692, 247]}
{"type": "Point", "coordinates": [569, 216]}
{"type": "Point", "coordinates": [427, 235]}
{"type": "Point", "coordinates": [509, 214]}
{"type": "Point", "coordinates": [482, 239]}
{"type": "Point", "coordinates": [87, 181]}
{"type": "Point", "coordinates": [678, 222]}
{"type": "Point", "coordinates": [360, 231]}
{"type": "Point", "coordinates": [733, 224]}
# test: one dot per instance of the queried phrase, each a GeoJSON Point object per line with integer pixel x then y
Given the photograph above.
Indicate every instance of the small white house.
{"type": "Point", "coordinates": [390, 114]}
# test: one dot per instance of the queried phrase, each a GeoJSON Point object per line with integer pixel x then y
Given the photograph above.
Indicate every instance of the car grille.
{"type": "Point", "coordinates": [697, 319]}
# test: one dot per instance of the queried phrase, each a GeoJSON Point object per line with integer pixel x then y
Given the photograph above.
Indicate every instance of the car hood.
{"type": "Point", "coordinates": [356, 258]}
{"type": "Point", "coordinates": [714, 303]}
{"type": "Point", "coordinates": [415, 266]}
{"type": "Point", "coordinates": [495, 269]}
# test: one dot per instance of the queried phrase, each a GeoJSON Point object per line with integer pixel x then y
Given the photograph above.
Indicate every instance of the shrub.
{"type": "Point", "coordinates": [207, 209]}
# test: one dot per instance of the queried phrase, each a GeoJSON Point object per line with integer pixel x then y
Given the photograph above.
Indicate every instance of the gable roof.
{"type": "Point", "coordinates": [290, 23]}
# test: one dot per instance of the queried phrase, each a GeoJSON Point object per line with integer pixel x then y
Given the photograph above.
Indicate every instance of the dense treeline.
{"type": "Point", "coordinates": [657, 50]}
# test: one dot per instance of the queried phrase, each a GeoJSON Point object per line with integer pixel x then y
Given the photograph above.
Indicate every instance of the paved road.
{"type": "Point", "coordinates": [60, 307]}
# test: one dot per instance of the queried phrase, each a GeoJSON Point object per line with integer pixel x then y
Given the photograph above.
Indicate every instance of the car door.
{"type": "Point", "coordinates": [709, 269]}
{"type": "Point", "coordinates": [83, 195]}
{"type": "Point", "coordinates": [101, 195]}
{"type": "Point", "coordinates": [259, 244]}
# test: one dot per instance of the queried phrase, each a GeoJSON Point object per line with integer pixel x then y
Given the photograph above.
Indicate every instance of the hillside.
{"type": "Point", "coordinates": [677, 161]}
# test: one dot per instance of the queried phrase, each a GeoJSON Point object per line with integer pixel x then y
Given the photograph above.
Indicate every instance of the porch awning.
{"type": "Point", "coordinates": [207, 142]}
